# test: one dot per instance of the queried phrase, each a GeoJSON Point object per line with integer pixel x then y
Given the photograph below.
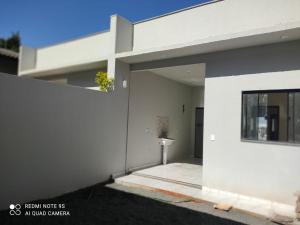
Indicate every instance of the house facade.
{"type": "Point", "coordinates": [235, 62]}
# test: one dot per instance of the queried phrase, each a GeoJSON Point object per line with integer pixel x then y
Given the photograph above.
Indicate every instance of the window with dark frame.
{"type": "Point", "coordinates": [271, 115]}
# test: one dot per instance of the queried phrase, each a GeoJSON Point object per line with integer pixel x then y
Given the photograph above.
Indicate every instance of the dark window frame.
{"type": "Point", "coordinates": [269, 91]}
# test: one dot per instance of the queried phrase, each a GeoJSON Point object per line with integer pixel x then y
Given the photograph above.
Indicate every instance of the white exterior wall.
{"type": "Point", "coordinates": [268, 171]}
{"type": "Point", "coordinates": [27, 58]}
{"type": "Point", "coordinates": [152, 96]}
{"type": "Point", "coordinates": [56, 139]}
{"type": "Point", "coordinates": [200, 25]}
{"type": "Point", "coordinates": [227, 161]}
{"type": "Point", "coordinates": [80, 54]}
{"type": "Point", "coordinates": [124, 34]}
{"type": "Point", "coordinates": [213, 20]}
{"type": "Point", "coordinates": [91, 48]}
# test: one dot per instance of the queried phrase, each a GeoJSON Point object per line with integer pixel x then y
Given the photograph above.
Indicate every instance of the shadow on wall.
{"type": "Point", "coordinates": [156, 109]}
{"type": "Point", "coordinates": [251, 60]}
{"type": "Point", "coordinates": [254, 60]}
{"type": "Point", "coordinates": [85, 79]}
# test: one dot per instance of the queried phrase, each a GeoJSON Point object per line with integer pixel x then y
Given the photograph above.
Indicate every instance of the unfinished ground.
{"type": "Point", "coordinates": [104, 205]}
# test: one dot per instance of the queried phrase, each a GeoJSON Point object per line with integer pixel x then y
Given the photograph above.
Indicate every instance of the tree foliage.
{"type": "Point", "coordinates": [12, 42]}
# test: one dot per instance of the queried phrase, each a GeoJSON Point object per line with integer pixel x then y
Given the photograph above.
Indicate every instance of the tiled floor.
{"type": "Point", "coordinates": [181, 173]}
{"type": "Point", "coordinates": [186, 179]}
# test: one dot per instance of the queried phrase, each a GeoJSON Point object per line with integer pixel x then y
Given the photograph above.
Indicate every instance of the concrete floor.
{"type": "Point", "coordinates": [181, 173]}
{"type": "Point", "coordinates": [183, 179]}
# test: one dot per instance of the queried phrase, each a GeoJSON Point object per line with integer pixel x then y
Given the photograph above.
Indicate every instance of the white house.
{"type": "Point", "coordinates": [239, 61]}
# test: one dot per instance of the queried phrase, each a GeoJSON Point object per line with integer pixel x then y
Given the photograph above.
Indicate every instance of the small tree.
{"type": "Point", "coordinates": [12, 43]}
{"type": "Point", "coordinates": [105, 83]}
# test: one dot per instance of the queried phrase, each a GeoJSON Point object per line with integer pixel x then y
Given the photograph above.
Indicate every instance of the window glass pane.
{"type": "Point", "coordinates": [297, 117]}
{"type": "Point", "coordinates": [250, 115]}
{"type": "Point", "coordinates": [277, 116]}
{"type": "Point", "coordinates": [262, 118]}
{"type": "Point", "coordinates": [291, 117]}
{"type": "Point", "coordinates": [266, 116]}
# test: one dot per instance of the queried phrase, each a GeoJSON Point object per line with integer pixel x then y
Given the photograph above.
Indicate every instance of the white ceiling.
{"type": "Point", "coordinates": [192, 74]}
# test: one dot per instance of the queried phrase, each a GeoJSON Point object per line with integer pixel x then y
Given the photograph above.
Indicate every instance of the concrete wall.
{"type": "Point", "coordinates": [198, 25]}
{"type": "Point", "coordinates": [85, 52]}
{"type": "Point", "coordinates": [268, 171]}
{"type": "Point", "coordinates": [123, 30]}
{"type": "Point", "coordinates": [84, 79]}
{"type": "Point", "coordinates": [89, 49]}
{"type": "Point", "coordinates": [251, 60]}
{"type": "Point", "coordinates": [27, 58]}
{"type": "Point", "coordinates": [191, 25]}
{"type": "Point", "coordinates": [82, 50]}
{"type": "Point", "coordinates": [55, 138]}
{"type": "Point", "coordinates": [152, 96]}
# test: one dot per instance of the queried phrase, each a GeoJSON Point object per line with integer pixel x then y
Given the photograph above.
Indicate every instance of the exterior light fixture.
{"type": "Point", "coordinates": [124, 83]}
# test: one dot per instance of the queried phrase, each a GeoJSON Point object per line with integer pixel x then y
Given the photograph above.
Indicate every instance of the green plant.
{"type": "Point", "coordinates": [12, 42]}
{"type": "Point", "coordinates": [105, 83]}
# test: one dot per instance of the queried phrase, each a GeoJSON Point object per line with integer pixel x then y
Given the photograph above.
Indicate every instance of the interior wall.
{"type": "Point", "coordinates": [197, 101]}
{"type": "Point", "coordinates": [152, 96]}
{"type": "Point", "coordinates": [57, 138]}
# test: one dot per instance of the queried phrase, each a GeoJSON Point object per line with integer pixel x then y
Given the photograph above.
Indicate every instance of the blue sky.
{"type": "Point", "coordinates": [45, 22]}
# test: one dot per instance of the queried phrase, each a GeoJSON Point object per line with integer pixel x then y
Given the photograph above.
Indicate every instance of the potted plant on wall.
{"type": "Point", "coordinates": [105, 83]}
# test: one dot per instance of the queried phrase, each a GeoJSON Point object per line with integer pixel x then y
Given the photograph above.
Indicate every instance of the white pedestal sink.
{"type": "Point", "coordinates": [165, 143]}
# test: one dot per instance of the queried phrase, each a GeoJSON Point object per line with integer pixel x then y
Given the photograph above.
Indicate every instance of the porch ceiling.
{"type": "Point", "coordinates": [192, 74]}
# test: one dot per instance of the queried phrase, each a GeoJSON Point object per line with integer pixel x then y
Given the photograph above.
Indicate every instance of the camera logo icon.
{"type": "Point", "coordinates": [15, 209]}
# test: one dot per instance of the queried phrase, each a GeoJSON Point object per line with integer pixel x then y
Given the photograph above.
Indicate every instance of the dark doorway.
{"type": "Point", "coordinates": [199, 133]}
{"type": "Point", "coordinates": [273, 123]}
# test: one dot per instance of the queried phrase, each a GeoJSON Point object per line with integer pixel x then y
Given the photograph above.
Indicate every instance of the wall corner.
{"type": "Point", "coordinates": [27, 59]}
{"type": "Point", "coordinates": [122, 34]}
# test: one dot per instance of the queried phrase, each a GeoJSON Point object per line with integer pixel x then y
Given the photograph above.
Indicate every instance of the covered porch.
{"type": "Point", "coordinates": [166, 101]}
{"type": "Point", "coordinates": [184, 181]}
